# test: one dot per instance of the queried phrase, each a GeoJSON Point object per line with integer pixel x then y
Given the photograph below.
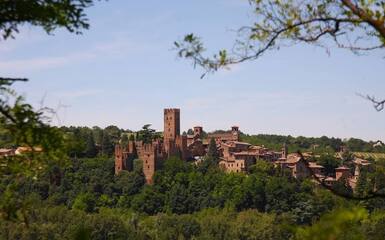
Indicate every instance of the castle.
{"type": "Point", "coordinates": [234, 155]}
{"type": "Point", "coordinates": [154, 154]}
{"type": "Point", "coordinates": [187, 147]}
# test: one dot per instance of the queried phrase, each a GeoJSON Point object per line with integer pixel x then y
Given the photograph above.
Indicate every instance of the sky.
{"type": "Point", "coordinates": [123, 71]}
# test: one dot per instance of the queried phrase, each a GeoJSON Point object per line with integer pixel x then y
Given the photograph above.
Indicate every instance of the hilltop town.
{"type": "Point", "coordinates": [234, 155]}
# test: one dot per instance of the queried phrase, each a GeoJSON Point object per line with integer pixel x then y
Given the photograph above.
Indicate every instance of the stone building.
{"type": "Point", "coordinates": [235, 156]}
{"type": "Point", "coordinates": [154, 154]}
{"type": "Point", "coordinates": [239, 156]}
{"type": "Point", "coordinates": [233, 135]}
{"type": "Point", "coordinates": [5, 152]}
{"type": "Point", "coordinates": [298, 166]}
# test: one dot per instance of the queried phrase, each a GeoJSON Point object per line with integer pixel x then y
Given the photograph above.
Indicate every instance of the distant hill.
{"type": "Point", "coordinates": [314, 144]}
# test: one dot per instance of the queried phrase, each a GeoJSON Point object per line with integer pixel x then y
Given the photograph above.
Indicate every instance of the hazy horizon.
{"type": "Point", "coordinates": [123, 72]}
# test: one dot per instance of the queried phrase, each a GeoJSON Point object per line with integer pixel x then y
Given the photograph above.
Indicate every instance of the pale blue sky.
{"type": "Point", "coordinates": [123, 72]}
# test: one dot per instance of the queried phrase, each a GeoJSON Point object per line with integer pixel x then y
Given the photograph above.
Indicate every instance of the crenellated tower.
{"type": "Point", "coordinates": [171, 129]}
{"type": "Point", "coordinates": [124, 157]}
{"type": "Point", "coordinates": [155, 153]}
{"type": "Point", "coordinates": [284, 151]}
{"type": "Point", "coordinates": [152, 156]}
{"type": "Point", "coordinates": [119, 161]}
{"type": "Point", "coordinates": [171, 123]}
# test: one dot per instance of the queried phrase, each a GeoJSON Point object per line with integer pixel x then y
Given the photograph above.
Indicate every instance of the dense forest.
{"type": "Point", "coordinates": [85, 200]}
{"type": "Point", "coordinates": [80, 197]}
{"type": "Point", "coordinates": [64, 186]}
{"type": "Point", "coordinates": [315, 144]}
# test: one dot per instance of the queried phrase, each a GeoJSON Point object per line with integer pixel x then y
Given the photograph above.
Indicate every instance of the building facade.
{"type": "Point", "coordinates": [234, 155]}
{"type": "Point", "coordinates": [154, 154]}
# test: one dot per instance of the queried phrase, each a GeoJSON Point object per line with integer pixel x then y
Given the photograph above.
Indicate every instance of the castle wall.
{"type": "Point", "coordinates": [233, 135]}
{"type": "Point", "coordinates": [118, 159]}
{"type": "Point", "coordinates": [124, 158]}
{"type": "Point", "coordinates": [149, 157]}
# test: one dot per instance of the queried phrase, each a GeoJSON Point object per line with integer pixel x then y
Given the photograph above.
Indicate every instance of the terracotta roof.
{"type": "Point", "coordinates": [293, 158]}
{"type": "Point", "coordinates": [360, 161]}
{"type": "Point", "coordinates": [244, 143]}
{"type": "Point", "coordinates": [314, 165]}
{"type": "Point", "coordinates": [21, 150]}
{"type": "Point", "coordinates": [245, 153]}
{"type": "Point", "coordinates": [6, 150]}
{"type": "Point", "coordinates": [226, 144]}
{"type": "Point", "coordinates": [256, 147]}
{"type": "Point", "coordinates": [342, 168]}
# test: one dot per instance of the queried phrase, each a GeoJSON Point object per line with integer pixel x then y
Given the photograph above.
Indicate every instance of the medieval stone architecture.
{"type": "Point", "coordinates": [234, 155]}
{"type": "Point", "coordinates": [187, 147]}
{"type": "Point", "coordinates": [301, 167]}
{"type": "Point", "coordinates": [238, 156]}
{"type": "Point", "coordinates": [155, 153]}
{"type": "Point", "coordinates": [232, 135]}
{"type": "Point", "coordinates": [298, 166]}
{"type": "Point", "coordinates": [5, 152]}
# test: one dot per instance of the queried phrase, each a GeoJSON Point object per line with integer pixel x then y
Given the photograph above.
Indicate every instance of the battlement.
{"type": "Point", "coordinates": [198, 130]}
{"type": "Point", "coordinates": [123, 159]}
{"type": "Point", "coordinates": [148, 148]}
{"type": "Point", "coordinates": [171, 126]}
{"type": "Point", "coordinates": [153, 154]}
{"type": "Point", "coordinates": [171, 110]}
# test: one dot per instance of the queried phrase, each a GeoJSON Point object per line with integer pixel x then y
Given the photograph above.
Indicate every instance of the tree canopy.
{"type": "Point", "coordinates": [355, 25]}
{"type": "Point", "coordinates": [48, 14]}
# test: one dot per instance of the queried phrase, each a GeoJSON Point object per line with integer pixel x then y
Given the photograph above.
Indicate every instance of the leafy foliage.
{"type": "Point", "coordinates": [355, 25]}
{"type": "Point", "coordinates": [147, 135]}
{"type": "Point", "coordinates": [47, 14]}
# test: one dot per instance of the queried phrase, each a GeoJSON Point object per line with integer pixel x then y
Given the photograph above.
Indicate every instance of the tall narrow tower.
{"type": "Point", "coordinates": [171, 124]}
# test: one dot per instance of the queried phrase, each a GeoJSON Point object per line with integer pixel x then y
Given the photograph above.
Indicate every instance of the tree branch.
{"type": "Point", "coordinates": [377, 104]}
{"type": "Point", "coordinates": [377, 24]}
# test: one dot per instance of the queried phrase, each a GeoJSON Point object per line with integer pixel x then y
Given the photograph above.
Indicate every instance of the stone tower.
{"type": "Point", "coordinates": [151, 155]}
{"type": "Point", "coordinates": [119, 159]}
{"type": "Point", "coordinates": [171, 127]}
{"type": "Point", "coordinates": [235, 133]}
{"type": "Point", "coordinates": [198, 130]}
{"type": "Point", "coordinates": [284, 151]}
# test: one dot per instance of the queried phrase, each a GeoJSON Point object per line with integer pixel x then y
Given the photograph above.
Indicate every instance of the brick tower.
{"type": "Point", "coordinates": [171, 124]}
{"type": "Point", "coordinates": [171, 129]}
